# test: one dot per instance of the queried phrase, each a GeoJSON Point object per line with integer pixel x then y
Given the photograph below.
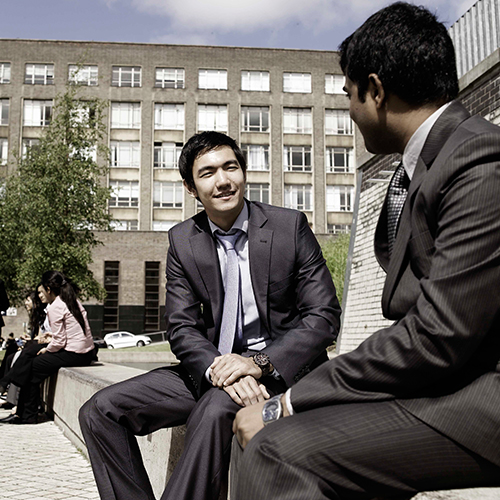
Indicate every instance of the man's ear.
{"type": "Point", "coordinates": [376, 89]}
{"type": "Point", "coordinates": [192, 191]}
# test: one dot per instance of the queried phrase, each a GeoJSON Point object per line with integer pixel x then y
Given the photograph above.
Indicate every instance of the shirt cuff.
{"type": "Point", "coordinates": [208, 375]}
{"type": "Point", "coordinates": [288, 401]}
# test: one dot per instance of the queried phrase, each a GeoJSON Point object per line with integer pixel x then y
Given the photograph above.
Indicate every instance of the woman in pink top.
{"type": "Point", "coordinates": [71, 343]}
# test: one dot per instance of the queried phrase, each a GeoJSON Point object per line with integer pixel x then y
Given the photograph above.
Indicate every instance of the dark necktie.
{"type": "Point", "coordinates": [231, 330]}
{"type": "Point", "coordinates": [396, 197]}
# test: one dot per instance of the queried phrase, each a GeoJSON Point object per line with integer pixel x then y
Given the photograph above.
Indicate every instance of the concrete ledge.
{"type": "Point", "coordinates": [70, 388]}
{"type": "Point", "coordinates": [126, 356]}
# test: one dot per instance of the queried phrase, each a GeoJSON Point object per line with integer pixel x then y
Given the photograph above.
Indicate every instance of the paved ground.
{"type": "Point", "coordinates": [39, 463]}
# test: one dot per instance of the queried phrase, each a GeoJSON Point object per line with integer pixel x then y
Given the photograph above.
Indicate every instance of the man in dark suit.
{"type": "Point", "coordinates": [283, 316]}
{"type": "Point", "coordinates": [416, 406]}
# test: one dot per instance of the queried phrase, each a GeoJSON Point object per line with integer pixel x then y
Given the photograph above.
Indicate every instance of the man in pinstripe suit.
{"type": "Point", "coordinates": [417, 406]}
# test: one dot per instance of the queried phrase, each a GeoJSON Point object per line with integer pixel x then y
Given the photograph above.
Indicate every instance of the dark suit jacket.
{"type": "Point", "coordinates": [293, 289]}
{"type": "Point", "coordinates": [440, 359]}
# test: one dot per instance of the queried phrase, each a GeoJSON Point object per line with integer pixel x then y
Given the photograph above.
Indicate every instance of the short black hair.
{"type": "Point", "coordinates": [202, 143]}
{"type": "Point", "coordinates": [409, 50]}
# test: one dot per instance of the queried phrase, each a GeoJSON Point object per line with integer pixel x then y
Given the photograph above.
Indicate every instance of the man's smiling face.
{"type": "Point", "coordinates": [220, 185]}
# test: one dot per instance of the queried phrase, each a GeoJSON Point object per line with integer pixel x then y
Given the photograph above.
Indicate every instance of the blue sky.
{"type": "Point", "coordinates": [296, 24]}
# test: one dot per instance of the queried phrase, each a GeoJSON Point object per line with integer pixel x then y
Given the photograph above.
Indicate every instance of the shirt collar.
{"type": "Point", "coordinates": [241, 222]}
{"type": "Point", "coordinates": [417, 140]}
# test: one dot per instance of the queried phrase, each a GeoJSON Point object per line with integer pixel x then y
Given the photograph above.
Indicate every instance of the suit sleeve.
{"type": "Point", "coordinates": [458, 303]}
{"type": "Point", "coordinates": [318, 319]}
{"type": "Point", "coordinates": [186, 329]}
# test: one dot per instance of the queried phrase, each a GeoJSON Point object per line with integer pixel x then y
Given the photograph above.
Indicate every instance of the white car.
{"type": "Point", "coordinates": [125, 339]}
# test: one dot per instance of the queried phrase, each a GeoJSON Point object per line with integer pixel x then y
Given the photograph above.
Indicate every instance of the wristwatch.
{"type": "Point", "coordinates": [272, 410]}
{"type": "Point", "coordinates": [262, 360]}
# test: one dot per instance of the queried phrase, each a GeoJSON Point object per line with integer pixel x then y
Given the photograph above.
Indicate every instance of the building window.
{"type": "Point", "coordinates": [297, 82]}
{"type": "Point", "coordinates": [257, 81]}
{"type": "Point", "coordinates": [297, 158]}
{"type": "Point", "coordinates": [334, 84]}
{"type": "Point", "coordinates": [257, 192]}
{"type": "Point", "coordinates": [169, 78]}
{"type": "Point", "coordinates": [27, 144]}
{"type": "Point", "coordinates": [167, 194]}
{"type": "Point", "coordinates": [111, 304]}
{"type": "Point", "coordinates": [39, 74]}
{"type": "Point", "coordinates": [212, 79]}
{"type": "Point", "coordinates": [169, 116]}
{"type": "Point", "coordinates": [125, 154]}
{"type": "Point", "coordinates": [37, 113]}
{"type": "Point", "coordinates": [339, 228]}
{"type": "Point", "coordinates": [125, 225]}
{"type": "Point", "coordinates": [212, 117]}
{"type": "Point", "coordinates": [255, 119]}
{"type": "Point", "coordinates": [166, 154]}
{"type": "Point", "coordinates": [338, 122]}
{"type": "Point", "coordinates": [4, 72]}
{"type": "Point", "coordinates": [4, 151]}
{"type": "Point", "coordinates": [298, 196]}
{"type": "Point", "coordinates": [297, 120]}
{"type": "Point", "coordinates": [124, 194]}
{"type": "Point", "coordinates": [125, 115]}
{"type": "Point", "coordinates": [164, 225]}
{"type": "Point", "coordinates": [339, 198]}
{"type": "Point", "coordinates": [257, 157]}
{"type": "Point", "coordinates": [152, 297]}
{"type": "Point", "coordinates": [126, 76]}
{"type": "Point", "coordinates": [83, 75]}
{"type": "Point", "coordinates": [339, 160]}
{"type": "Point", "coordinates": [4, 111]}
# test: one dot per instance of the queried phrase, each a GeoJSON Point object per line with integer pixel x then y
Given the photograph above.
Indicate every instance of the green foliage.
{"type": "Point", "coordinates": [335, 253]}
{"type": "Point", "coordinates": [55, 199]}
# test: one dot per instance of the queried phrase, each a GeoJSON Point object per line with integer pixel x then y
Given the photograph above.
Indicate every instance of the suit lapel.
{"type": "Point", "coordinates": [207, 262]}
{"type": "Point", "coordinates": [439, 134]}
{"type": "Point", "coordinates": [259, 252]}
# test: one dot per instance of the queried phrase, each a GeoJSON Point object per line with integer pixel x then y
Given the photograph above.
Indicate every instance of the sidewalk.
{"type": "Point", "coordinates": [40, 463]}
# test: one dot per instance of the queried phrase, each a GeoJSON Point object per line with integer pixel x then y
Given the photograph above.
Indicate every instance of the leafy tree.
{"type": "Point", "coordinates": [335, 253]}
{"type": "Point", "coordinates": [55, 199]}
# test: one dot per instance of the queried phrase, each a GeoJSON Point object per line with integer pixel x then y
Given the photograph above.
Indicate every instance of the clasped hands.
{"type": "Point", "coordinates": [238, 376]}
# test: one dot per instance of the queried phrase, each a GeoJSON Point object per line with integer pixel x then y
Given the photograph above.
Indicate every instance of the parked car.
{"type": "Point", "coordinates": [125, 339]}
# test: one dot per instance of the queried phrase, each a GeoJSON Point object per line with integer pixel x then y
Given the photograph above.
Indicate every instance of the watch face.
{"type": "Point", "coordinates": [270, 411]}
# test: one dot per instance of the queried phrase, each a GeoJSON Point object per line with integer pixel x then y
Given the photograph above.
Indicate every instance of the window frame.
{"type": "Point", "coordinates": [264, 83]}
{"type": "Point", "coordinates": [290, 152]}
{"type": "Point", "coordinates": [214, 79]}
{"type": "Point", "coordinates": [336, 85]}
{"type": "Point", "coordinates": [218, 117]}
{"type": "Point", "coordinates": [133, 188]}
{"type": "Point", "coordinates": [45, 112]}
{"type": "Point", "coordinates": [297, 83]}
{"type": "Point", "coordinates": [118, 73]}
{"type": "Point", "coordinates": [177, 194]}
{"type": "Point", "coordinates": [118, 153]}
{"type": "Point", "coordinates": [133, 115]}
{"type": "Point", "coordinates": [301, 189]}
{"type": "Point", "coordinates": [331, 152]}
{"type": "Point", "coordinates": [343, 190]}
{"type": "Point", "coordinates": [302, 118]}
{"type": "Point", "coordinates": [177, 110]}
{"type": "Point", "coordinates": [4, 70]}
{"type": "Point", "coordinates": [341, 122]}
{"type": "Point", "coordinates": [159, 149]}
{"type": "Point", "coordinates": [178, 82]}
{"type": "Point", "coordinates": [86, 75]}
{"type": "Point", "coordinates": [246, 114]}
{"type": "Point", "coordinates": [263, 152]}
{"type": "Point", "coordinates": [47, 74]}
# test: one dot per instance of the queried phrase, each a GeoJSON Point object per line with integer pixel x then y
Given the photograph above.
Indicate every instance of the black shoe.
{"type": "Point", "coordinates": [10, 419]}
{"type": "Point", "coordinates": [6, 406]}
{"type": "Point", "coordinates": [17, 420]}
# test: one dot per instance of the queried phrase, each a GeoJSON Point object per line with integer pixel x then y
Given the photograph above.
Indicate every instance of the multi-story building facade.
{"type": "Point", "coordinates": [286, 108]}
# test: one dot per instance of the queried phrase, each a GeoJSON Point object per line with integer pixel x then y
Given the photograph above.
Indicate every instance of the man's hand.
{"type": "Point", "coordinates": [228, 368]}
{"type": "Point", "coordinates": [248, 421]}
{"type": "Point", "coordinates": [247, 391]}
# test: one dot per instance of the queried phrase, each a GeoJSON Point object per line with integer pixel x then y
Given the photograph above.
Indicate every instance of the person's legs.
{"type": "Point", "coordinates": [356, 451]}
{"type": "Point", "coordinates": [42, 366]}
{"type": "Point", "coordinates": [204, 463]}
{"type": "Point", "coordinates": [112, 418]}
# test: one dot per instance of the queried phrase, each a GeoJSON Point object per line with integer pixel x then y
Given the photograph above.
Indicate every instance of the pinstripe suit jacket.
{"type": "Point", "coordinates": [440, 359]}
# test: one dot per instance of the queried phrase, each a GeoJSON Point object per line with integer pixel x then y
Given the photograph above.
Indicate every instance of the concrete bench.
{"type": "Point", "coordinates": [70, 388]}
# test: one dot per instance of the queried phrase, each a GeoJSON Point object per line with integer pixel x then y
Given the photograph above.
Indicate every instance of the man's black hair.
{"type": "Point", "coordinates": [202, 143]}
{"type": "Point", "coordinates": [409, 50]}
